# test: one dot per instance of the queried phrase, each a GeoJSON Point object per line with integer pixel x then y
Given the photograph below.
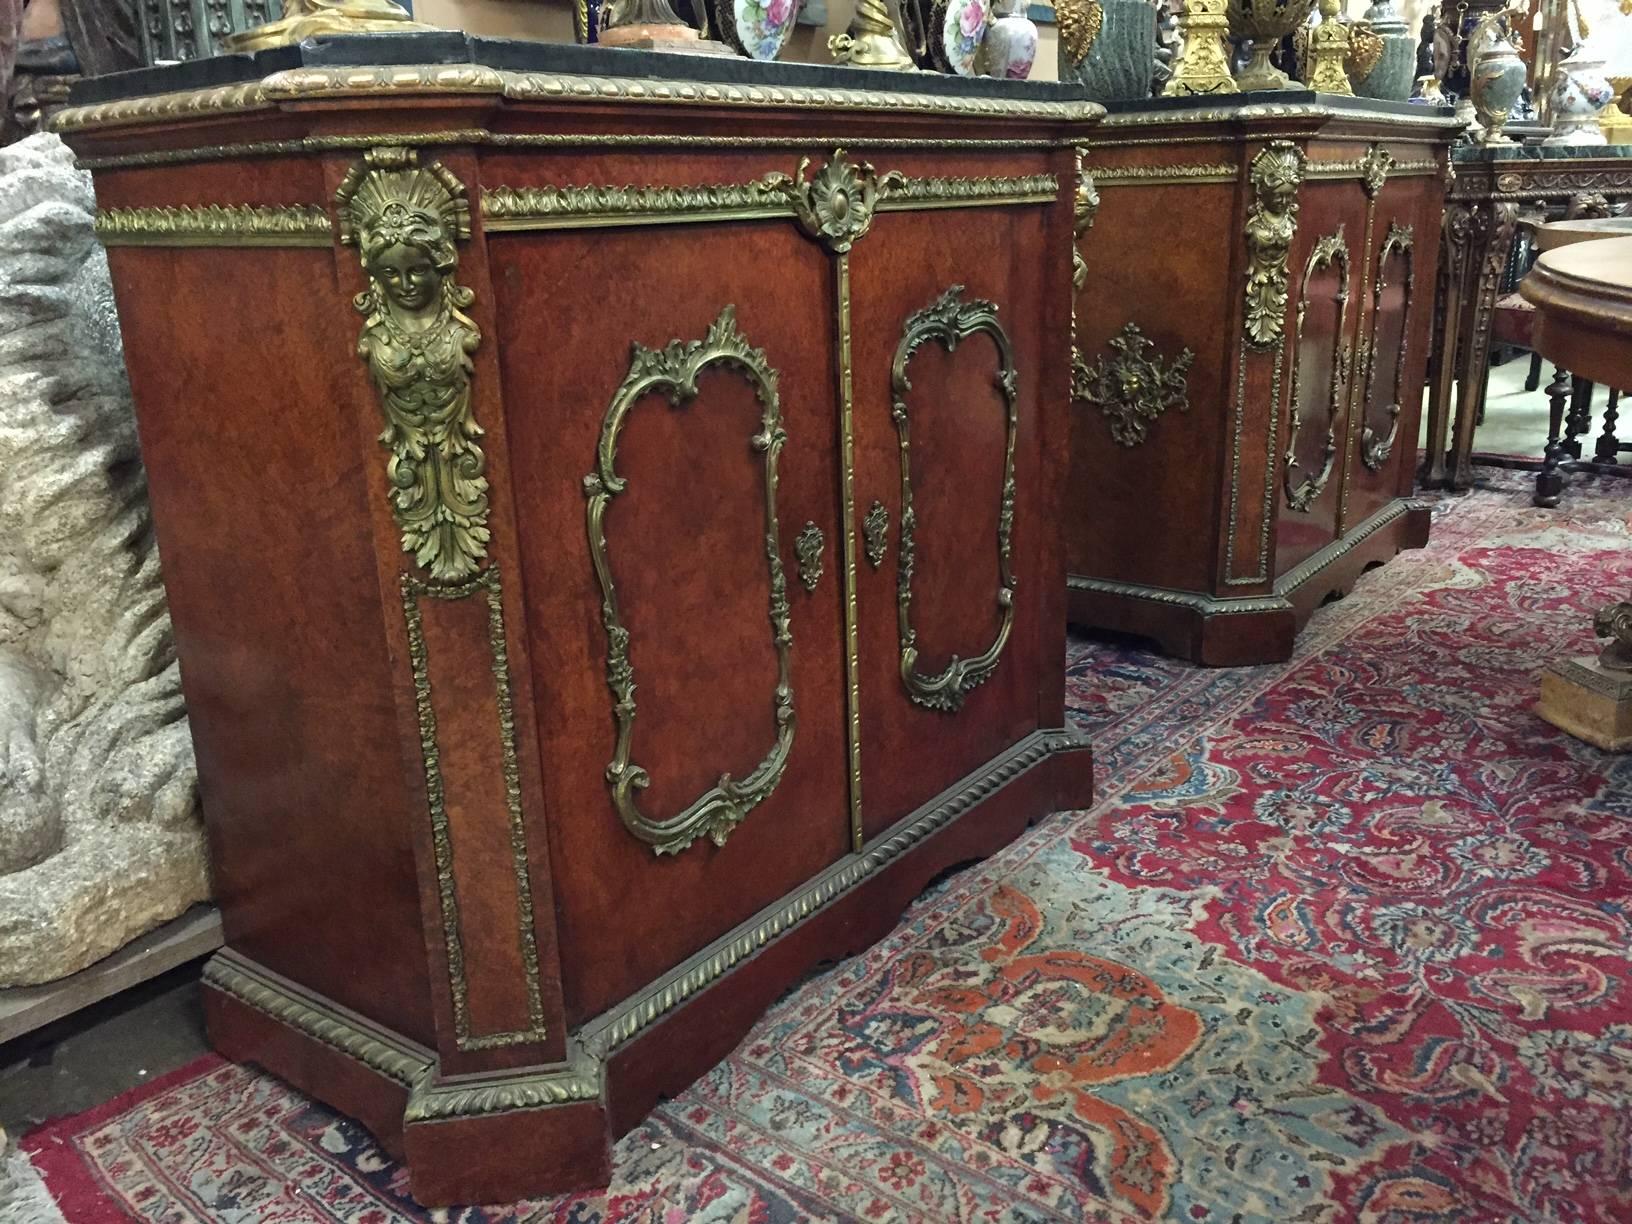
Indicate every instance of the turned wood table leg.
{"type": "Point", "coordinates": [1608, 448]}
{"type": "Point", "coordinates": [1579, 418]}
{"type": "Point", "coordinates": [1550, 480]}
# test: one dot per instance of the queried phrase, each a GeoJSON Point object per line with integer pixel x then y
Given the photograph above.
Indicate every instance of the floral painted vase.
{"type": "Point", "coordinates": [956, 30]}
{"type": "Point", "coordinates": [1011, 41]}
{"type": "Point", "coordinates": [758, 29]}
{"type": "Point", "coordinates": [1581, 92]}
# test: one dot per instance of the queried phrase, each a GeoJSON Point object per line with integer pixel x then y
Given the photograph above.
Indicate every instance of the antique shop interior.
{"type": "Point", "coordinates": [760, 611]}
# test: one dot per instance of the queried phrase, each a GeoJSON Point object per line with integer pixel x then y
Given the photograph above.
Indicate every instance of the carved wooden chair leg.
{"type": "Point", "coordinates": [1609, 448]}
{"type": "Point", "coordinates": [1579, 418]}
{"type": "Point", "coordinates": [1532, 380]}
{"type": "Point", "coordinates": [1550, 480]}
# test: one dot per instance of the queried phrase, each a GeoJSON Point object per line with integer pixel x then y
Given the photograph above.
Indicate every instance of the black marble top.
{"type": "Point", "coordinates": [1277, 97]}
{"type": "Point", "coordinates": [453, 47]}
{"type": "Point", "coordinates": [1536, 152]}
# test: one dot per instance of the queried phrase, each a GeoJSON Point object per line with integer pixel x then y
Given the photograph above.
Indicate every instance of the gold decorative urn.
{"type": "Point", "coordinates": [1266, 22]}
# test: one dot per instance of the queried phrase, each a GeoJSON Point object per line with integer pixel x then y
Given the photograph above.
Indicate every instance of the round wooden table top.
{"type": "Point", "coordinates": [1583, 299]}
{"type": "Point", "coordinates": [1555, 234]}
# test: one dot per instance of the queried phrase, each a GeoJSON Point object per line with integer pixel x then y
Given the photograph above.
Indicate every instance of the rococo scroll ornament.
{"type": "Point", "coordinates": [404, 219]}
{"type": "Point", "coordinates": [1374, 450]}
{"type": "Point", "coordinates": [1330, 251]}
{"type": "Point", "coordinates": [673, 371]}
{"type": "Point", "coordinates": [836, 206]}
{"type": "Point", "coordinates": [1134, 386]}
{"type": "Point", "coordinates": [1272, 223]}
{"type": "Point", "coordinates": [951, 320]}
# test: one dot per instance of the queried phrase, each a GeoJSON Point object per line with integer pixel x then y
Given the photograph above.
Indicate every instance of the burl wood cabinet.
{"type": "Point", "coordinates": [1252, 327]}
{"type": "Point", "coordinates": [611, 529]}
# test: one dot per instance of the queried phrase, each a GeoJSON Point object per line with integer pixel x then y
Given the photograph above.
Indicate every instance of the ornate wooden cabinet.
{"type": "Point", "coordinates": [1251, 337]}
{"type": "Point", "coordinates": [611, 528]}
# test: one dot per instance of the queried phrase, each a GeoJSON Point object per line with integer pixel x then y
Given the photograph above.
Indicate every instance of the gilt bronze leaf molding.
{"type": "Point", "coordinates": [216, 225]}
{"type": "Point", "coordinates": [1332, 250]}
{"type": "Point", "coordinates": [950, 320]}
{"type": "Point", "coordinates": [876, 530]}
{"type": "Point", "coordinates": [1374, 451]}
{"type": "Point", "coordinates": [1272, 223]}
{"type": "Point", "coordinates": [673, 371]}
{"type": "Point", "coordinates": [1134, 386]}
{"type": "Point", "coordinates": [836, 205]}
{"type": "Point", "coordinates": [405, 219]}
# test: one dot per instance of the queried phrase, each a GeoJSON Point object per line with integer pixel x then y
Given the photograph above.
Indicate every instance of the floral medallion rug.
{"type": "Point", "coordinates": [1344, 938]}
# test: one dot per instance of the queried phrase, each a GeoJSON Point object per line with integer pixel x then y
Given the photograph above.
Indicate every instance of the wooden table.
{"type": "Point", "coordinates": [1574, 388]}
{"type": "Point", "coordinates": [1482, 209]}
{"type": "Point", "coordinates": [1582, 293]}
{"type": "Point", "coordinates": [1583, 300]}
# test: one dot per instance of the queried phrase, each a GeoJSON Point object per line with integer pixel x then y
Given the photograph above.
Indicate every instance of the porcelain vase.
{"type": "Point", "coordinates": [1581, 92]}
{"type": "Point", "coordinates": [1010, 47]}
{"type": "Point", "coordinates": [1122, 61]}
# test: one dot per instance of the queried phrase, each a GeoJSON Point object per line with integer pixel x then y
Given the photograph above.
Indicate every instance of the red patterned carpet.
{"type": "Point", "coordinates": [1345, 938]}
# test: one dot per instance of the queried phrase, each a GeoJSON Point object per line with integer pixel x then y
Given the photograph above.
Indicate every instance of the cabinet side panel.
{"type": "Point", "coordinates": [1140, 497]}
{"type": "Point", "coordinates": [258, 492]}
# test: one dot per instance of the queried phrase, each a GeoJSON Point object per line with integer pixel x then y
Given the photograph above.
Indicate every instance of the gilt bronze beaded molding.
{"type": "Point", "coordinates": [1374, 451]}
{"type": "Point", "coordinates": [1134, 386]}
{"type": "Point", "coordinates": [248, 225]}
{"type": "Point", "coordinates": [674, 370]}
{"type": "Point", "coordinates": [1329, 251]}
{"type": "Point", "coordinates": [486, 584]}
{"type": "Point", "coordinates": [950, 320]}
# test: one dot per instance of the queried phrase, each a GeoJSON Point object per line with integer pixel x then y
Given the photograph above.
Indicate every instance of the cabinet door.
{"type": "Point", "coordinates": [676, 482]}
{"type": "Point", "coordinates": [1395, 292]}
{"type": "Point", "coordinates": [1322, 349]}
{"type": "Point", "coordinates": [947, 321]}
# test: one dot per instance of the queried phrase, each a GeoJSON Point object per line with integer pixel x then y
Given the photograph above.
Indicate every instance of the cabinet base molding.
{"type": "Point", "coordinates": [1240, 630]}
{"type": "Point", "coordinates": [542, 1129]}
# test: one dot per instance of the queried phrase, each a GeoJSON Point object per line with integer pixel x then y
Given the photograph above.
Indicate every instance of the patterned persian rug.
{"type": "Point", "coordinates": [1345, 938]}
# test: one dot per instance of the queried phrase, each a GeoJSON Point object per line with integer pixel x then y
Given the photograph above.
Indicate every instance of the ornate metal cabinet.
{"type": "Point", "coordinates": [611, 527]}
{"type": "Point", "coordinates": [1247, 376]}
{"type": "Point", "coordinates": [1494, 185]}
